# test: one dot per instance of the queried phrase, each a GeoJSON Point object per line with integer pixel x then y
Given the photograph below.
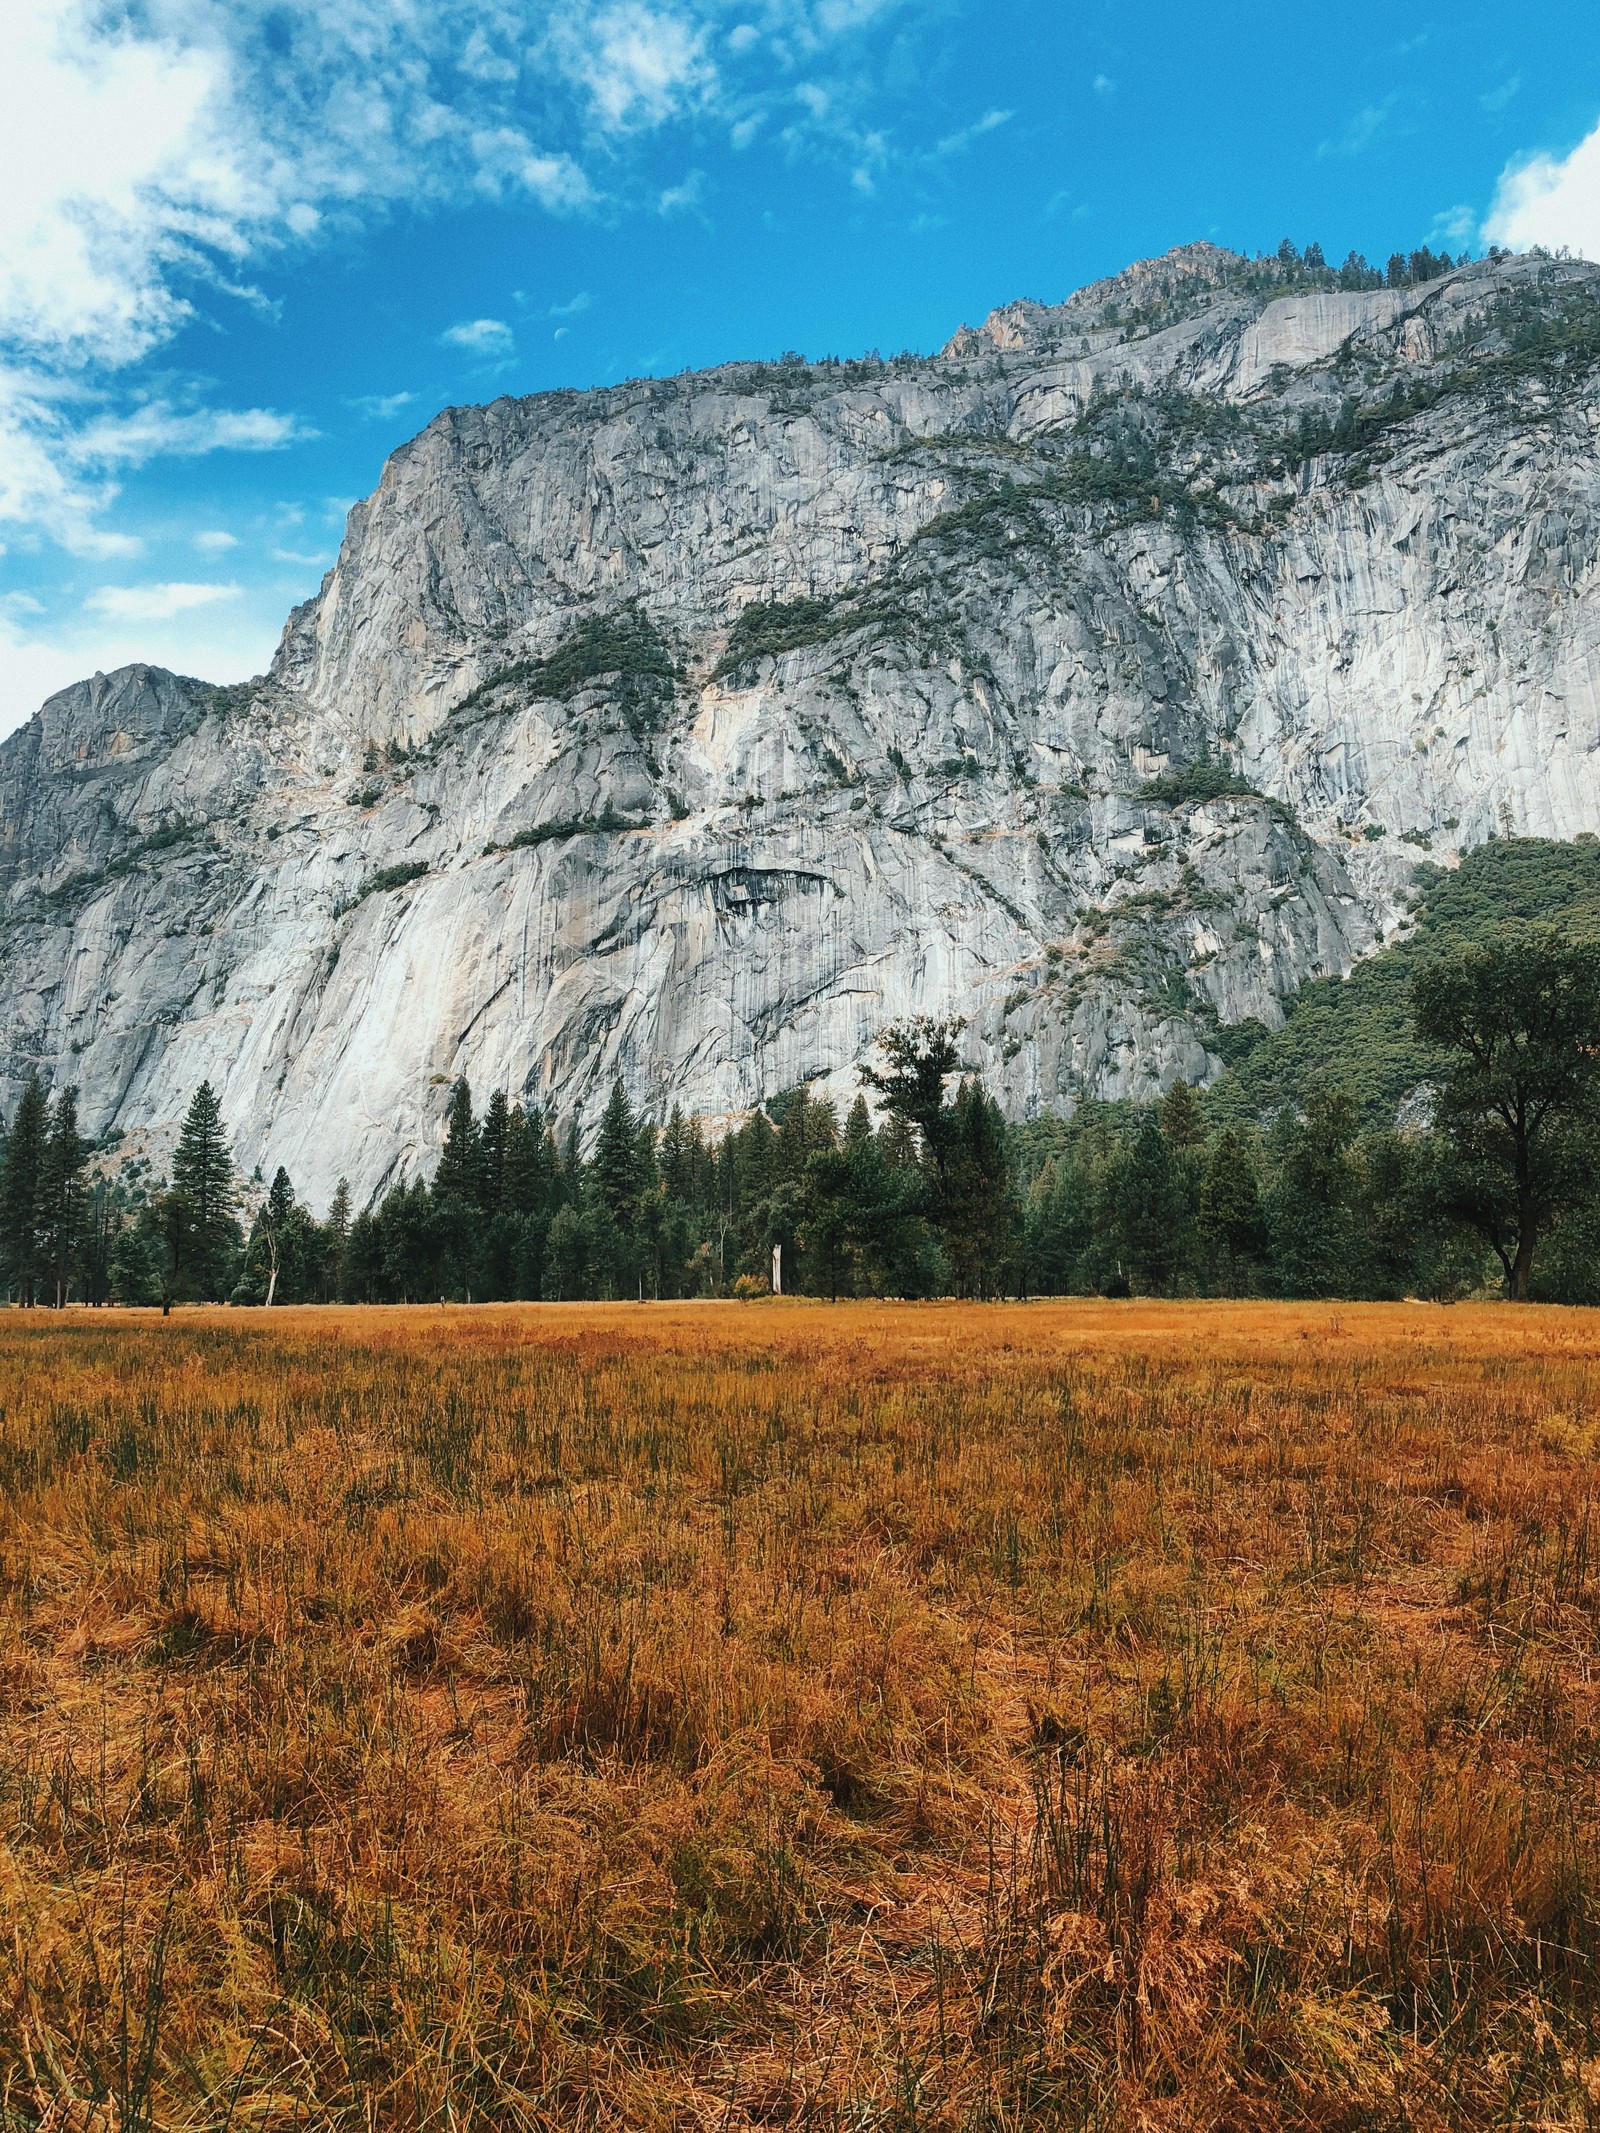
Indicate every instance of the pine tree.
{"type": "Point", "coordinates": [1316, 1249]}
{"type": "Point", "coordinates": [615, 1168]}
{"type": "Point", "coordinates": [493, 1137]}
{"type": "Point", "coordinates": [1230, 1212]}
{"type": "Point", "coordinates": [271, 1238]}
{"type": "Point", "coordinates": [980, 1214]}
{"type": "Point", "coordinates": [532, 1192]}
{"type": "Point", "coordinates": [338, 1234]}
{"type": "Point", "coordinates": [62, 1197]}
{"type": "Point", "coordinates": [1148, 1211]}
{"type": "Point", "coordinates": [614, 1190]}
{"type": "Point", "coordinates": [460, 1173]}
{"type": "Point", "coordinates": [136, 1277]}
{"type": "Point", "coordinates": [21, 1187]}
{"type": "Point", "coordinates": [458, 1198]}
{"type": "Point", "coordinates": [1181, 1122]}
{"type": "Point", "coordinates": [202, 1232]}
{"type": "Point", "coordinates": [922, 1056]}
{"type": "Point", "coordinates": [102, 1226]}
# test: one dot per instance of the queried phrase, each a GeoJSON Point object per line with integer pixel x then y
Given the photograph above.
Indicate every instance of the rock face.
{"type": "Point", "coordinates": [1099, 679]}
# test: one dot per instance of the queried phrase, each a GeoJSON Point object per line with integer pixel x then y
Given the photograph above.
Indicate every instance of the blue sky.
{"type": "Point", "coordinates": [248, 246]}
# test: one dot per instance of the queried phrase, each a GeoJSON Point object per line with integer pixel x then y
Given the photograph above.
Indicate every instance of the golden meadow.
{"type": "Point", "coordinates": [937, 1716]}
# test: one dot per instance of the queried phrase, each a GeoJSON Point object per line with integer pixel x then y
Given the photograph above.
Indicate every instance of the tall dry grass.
{"type": "Point", "coordinates": [890, 1717]}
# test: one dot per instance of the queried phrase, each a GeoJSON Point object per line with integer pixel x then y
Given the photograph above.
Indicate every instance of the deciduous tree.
{"type": "Point", "coordinates": [1520, 1019]}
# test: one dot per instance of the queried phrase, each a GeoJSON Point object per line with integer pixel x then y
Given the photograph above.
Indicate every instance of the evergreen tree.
{"type": "Point", "coordinates": [62, 1198]}
{"type": "Point", "coordinates": [269, 1272]}
{"type": "Point", "coordinates": [337, 1227]}
{"type": "Point", "coordinates": [365, 1276]}
{"type": "Point", "coordinates": [409, 1254]}
{"type": "Point", "coordinates": [1231, 1220]}
{"type": "Point", "coordinates": [615, 1169]}
{"type": "Point", "coordinates": [1315, 1242]}
{"type": "Point", "coordinates": [493, 1138]}
{"type": "Point", "coordinates": [1150, 1218]}
{"type": "Point", "coordinates": [1059, 1227]}
{"type": "Point", "coordinates": [202, 1235]}
{"type": "Point", "coordinates": [460, 1173]}
{"type": "Point", "coordinates": [533, 1191]}
{"type": "Point", "coordinates": [458, 1200]}
{"type": "Point", "coordinates": [102, 1226]}
{"type": "Point", "coordinates": [615, 1185]}
{"type": "Point", "coordinates": [566, 1269]}
{"type": "Point", "coordinates": [1181, 1123]}
{"type": "Point", "coordinates": [21, 1193]}
{"type": "Point", "coordinates": [921, 1057]}
{"type": "Point", "coordinates": [136, 1271]}
{"type": "Point", "coordinates": [980, 1211]}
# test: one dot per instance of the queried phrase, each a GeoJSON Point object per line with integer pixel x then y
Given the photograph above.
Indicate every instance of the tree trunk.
{"type": "Point", "coordinates": [1527, 1233]}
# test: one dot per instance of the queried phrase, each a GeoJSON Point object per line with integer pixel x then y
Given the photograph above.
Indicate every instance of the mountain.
{"type": "Point", "coordinates": [1101, 678]}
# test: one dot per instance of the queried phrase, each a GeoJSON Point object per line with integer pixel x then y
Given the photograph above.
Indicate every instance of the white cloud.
{"type": "Point", "coordinates": [380, 407]}
{"type": "Point", "coordinates": [572, 306]}
{"type": "Point", "coordinates": [675, 199]}
{"type": "Point", "coordinates": [215, 542]}
{"type": "Point", "coordinates": [155, 603]}
{"type": "Point", "coordinates": [158, 431]}
{"type": "Point", "coordinates": [1370, 124]}
{"type": "Point", "coordinates": [640, 64]}
{"type": "Point", "coordinates": [225, 640]}
{"type": "Point", "coordinates": [507, 159]}
{"type": "Point", "coordinates": [490, 338]}
{"type": "Point", "coordinates": [1550, 201]}
{"type": "Point", "coordinates": [955, 144]}
{"type": "Point", "coordinates": [60, 448]}
{"type": "Point", "coordinates": [156, 153]}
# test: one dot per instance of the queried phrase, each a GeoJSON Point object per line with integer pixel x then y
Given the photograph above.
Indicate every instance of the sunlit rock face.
{"type": "Point", "coordinates": [1098, 679]}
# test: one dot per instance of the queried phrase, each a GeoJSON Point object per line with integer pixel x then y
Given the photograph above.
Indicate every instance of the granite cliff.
{"type": "Point", "coordinates": [1099, 678]}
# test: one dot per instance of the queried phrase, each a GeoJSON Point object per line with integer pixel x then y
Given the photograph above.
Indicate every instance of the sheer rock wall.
{"type": "Point", "coordinates": [1080, 667]}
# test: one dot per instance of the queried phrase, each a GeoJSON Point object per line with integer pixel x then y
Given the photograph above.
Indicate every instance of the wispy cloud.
{"type": "Point", "coordinates": [1368, 125]}
{"type": "Point", "coordinates": [1496, 100]}
{"type": "Point", "coordinates": [572, 306]}
{"type": "Point", "coordinates": [640, 64]}
{"type": "Point", "coordinates": [1456, 225]}
{"type": "Point", "coordinates": [957, 143]}
{"type": "Point", "coordinates": [158, 154]}
{"type": "Point", "coordinates": [687, 194]}
{"type": "Point", "coordinates": [155, 603]}
{"type": "Point", "coordinates": [1550, 200]}
{"type": "Point", "coordinates": [157, 430]}
{"type": "Point", "coordinates": [489, 338]}
{"type": "Point", "coordinates": [380, 407]}
{"type": "Point", "coordinates": [215, 542]}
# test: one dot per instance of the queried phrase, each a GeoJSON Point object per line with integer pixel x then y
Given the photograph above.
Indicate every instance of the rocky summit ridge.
{"type": "Point", "coordinates": [1100, 678]}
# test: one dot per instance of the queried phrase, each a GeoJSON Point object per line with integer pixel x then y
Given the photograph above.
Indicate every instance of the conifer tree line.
{"type": "Point", "coordinates": [925, 1191]}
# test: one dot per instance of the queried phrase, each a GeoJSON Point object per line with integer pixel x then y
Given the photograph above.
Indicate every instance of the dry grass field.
{"type": "Point", "coordinates": [872, 1717]}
